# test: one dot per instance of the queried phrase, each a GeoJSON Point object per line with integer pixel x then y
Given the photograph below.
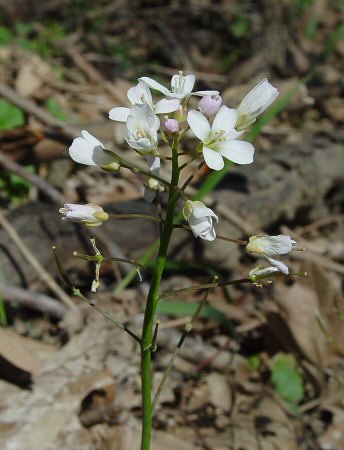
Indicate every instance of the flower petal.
{"type": "Point", "coordinates": [140, 94]}
{"type": "Point", "coordinates": [155, 85]}
{"type": "Point", "coordinates": [204, 93]}
{"type": "Point", "coordinates": [93, 140]}
{"type": "Point", "coordinates": [213, 159]}
{"type": "Point", "coordinates": [120, 114]}
{"type": "Point", "coordinates": [166, 106]}
{"type": "Point", "coordinates": [153, 164]}
{"type": "Point", "coordinates": [200, 210]}
{"type": "Point", "coordinates": [189, 83]}
{"type": "Point", "coordinates": [85, 152]}
{"type": "Point", "coordinates": [240, 152]}
{"type": "Point", "coordinates": [199, 124]}
{"type": "Point", "coordinates": [279, 264]}
{"type": "Point", "coordinates": [225, 119]}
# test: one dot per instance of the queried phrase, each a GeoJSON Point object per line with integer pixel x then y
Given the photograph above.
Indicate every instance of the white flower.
{"type": "Point", "coordinates": [255, 102]}
{"type": "Point", "coordinates": [90, 214]}
{"type": "Point", "coordinates": [181, 87]}
{"type": "Point", "coordinates": [142, 125]}
{"type": "Point", "coordinates": [219, 140]}
{"type": "Point", "coordinates": [271, 246]}
{"type": "Point", "coordinates": [200, 219]}
{"type": "Point", "coordinates": [140, 94]}
{"type": "Point", "coordinates": [89, 151]}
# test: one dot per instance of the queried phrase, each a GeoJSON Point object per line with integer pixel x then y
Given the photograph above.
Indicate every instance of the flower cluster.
{"type": "Point", "coordinates": [219, 130]}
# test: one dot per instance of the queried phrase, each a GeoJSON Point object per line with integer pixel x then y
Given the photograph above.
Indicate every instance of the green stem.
{"type": "Point", "coordinates": [152, 300]}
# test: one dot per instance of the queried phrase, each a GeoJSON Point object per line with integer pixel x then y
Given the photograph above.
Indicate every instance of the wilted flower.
{"type": "Point", "coordinates": [200, 219]}
{"type": "Point", "coordinates": [219, 140]}
{"type": "Point", "coordinates": [254, 103]}
{"type": "Point", "coordinates": [142, 125]}
{"type": "Point", "coordinates": [271, 246]}
{"type": "Point", "coordinates": [140, 95]}
{"type": "Point", "coordinates": [259, 273]}
{"type": "Point", "coordinates": [181, 87]}
{"type": "Point", "coordinates": [89, 151]}
{"type": "Point", "coordinates": [90, 214]}
{"type": "Point", "coordinates": [209, 105]}
{"type": "Point", "coordinates": [152, 184]}
{"type": "Point", "coordinates": [171, 126]}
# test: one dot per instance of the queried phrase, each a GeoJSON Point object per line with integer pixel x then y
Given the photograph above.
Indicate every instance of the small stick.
{"type": "Point", "coordinates": [45, 187]}
{"type": "Point", "coordinates": [34, 300]}
{"type": "Point", "coordinates": [31, 108]}
{"type": "Point", "coordinates": [35, 264]}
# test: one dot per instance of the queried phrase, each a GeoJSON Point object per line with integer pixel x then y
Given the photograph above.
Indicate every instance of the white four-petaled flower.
{"type": "Point", "coordinates": [219, 140]}
{"type": "Point", "coordinates": [181, 87]}
{"type": "Point", "coordinates": [89, 151]}
{"type": "Point", "coordinates": [271, 246]}
{"type": "Point", "coordinates": [139, 95]}
{"type": "Point", "coordinates": [143, 125]}
{"type": "Point", "coordinates": [200, 219]}
{"type": "Point", "coordinates": [90, 214]}
{"type": "Point", "coordinates": [254, 103]}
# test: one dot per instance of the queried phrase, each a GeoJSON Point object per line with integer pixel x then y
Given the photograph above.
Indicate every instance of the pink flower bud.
{"type": "Point", "coordinates": [209, 105]}
{"type": "Point", "coordinates": [171, 126]}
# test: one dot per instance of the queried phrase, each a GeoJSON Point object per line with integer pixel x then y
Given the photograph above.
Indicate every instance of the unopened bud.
{"type": "Point", "coordinates": [153, 184]}
{"type": "Point", "coordinates": [171, 126]}
{"type": "Point", "coordinates": [209, 105]}
{"type": "Point", "coordinates": [113, 167]}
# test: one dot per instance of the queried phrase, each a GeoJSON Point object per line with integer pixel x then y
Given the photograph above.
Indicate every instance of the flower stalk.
{"type": "Point", "coordinates": [152, 301]}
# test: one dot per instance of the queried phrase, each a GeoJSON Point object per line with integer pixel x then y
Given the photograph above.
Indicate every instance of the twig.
{"type": "Point", "coordinates": [45, 187]}
{"type": "Point", "coordinates": [188, 327]}
{"type": "Point", "coordinates": [34, 300]}
{"type": "Point", "coordinates": [31, 108]}
{"type": "Point", "coordinates": [35, 264]}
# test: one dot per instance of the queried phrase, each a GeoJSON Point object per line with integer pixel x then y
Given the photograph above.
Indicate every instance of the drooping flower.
{"type": "Point", "coordinates": [152, 184]}
{"type": "Point", "coordinates": [140, 95]}
{"type": "Point", "coordinates": [89, 151]}
{"type": "Point", "coordinates": [254, 103]}
{"type": "Point", "coordinates": [200, 219]}
{"type": "Point", "coordinates": [89, 214]}
{"type": "Point", "coordinates": [219, 140]}
{"type": "Point", "coordinates": [271, 246]}
{"type": "Point", "coordinates": [259, 273]}
{"type": "Point", "coordinates": [181, 87]}
{"type": "Point", "coordinates": [209, 105]}
{"type": "Point", "coordinates": [143, 125]}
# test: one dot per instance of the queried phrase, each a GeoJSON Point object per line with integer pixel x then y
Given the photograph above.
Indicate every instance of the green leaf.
{"type": "Point", "coordinates": [254, 362]}
{"type": "Point", "coordinates": [54, 107]}
{"type": "Point", "coordinates": [181, 309]}
{"type": "Point", "coordinates": [287, 379]}
{"type": "Point", "coordinates": [10, 116]}
{"type": "Point", "coordinates": [5, 36]}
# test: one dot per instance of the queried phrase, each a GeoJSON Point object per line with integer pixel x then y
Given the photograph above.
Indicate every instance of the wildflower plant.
{"type": "Point", "coordinates": [218, 132]}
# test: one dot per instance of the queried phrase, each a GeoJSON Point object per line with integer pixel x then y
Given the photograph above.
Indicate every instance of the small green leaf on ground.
{"type": "Point", "coordinates": [54, 107]}
{"type": "Point", "coordinates": [181, 309]}
{"type": "Point", "coordinates": [287, 379]}
{"type": "Point", "coordinates": [10, 116]}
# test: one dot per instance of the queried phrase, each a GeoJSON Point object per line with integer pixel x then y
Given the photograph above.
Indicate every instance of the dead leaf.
{"type": "Point", "coordinates": [21, 357]}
